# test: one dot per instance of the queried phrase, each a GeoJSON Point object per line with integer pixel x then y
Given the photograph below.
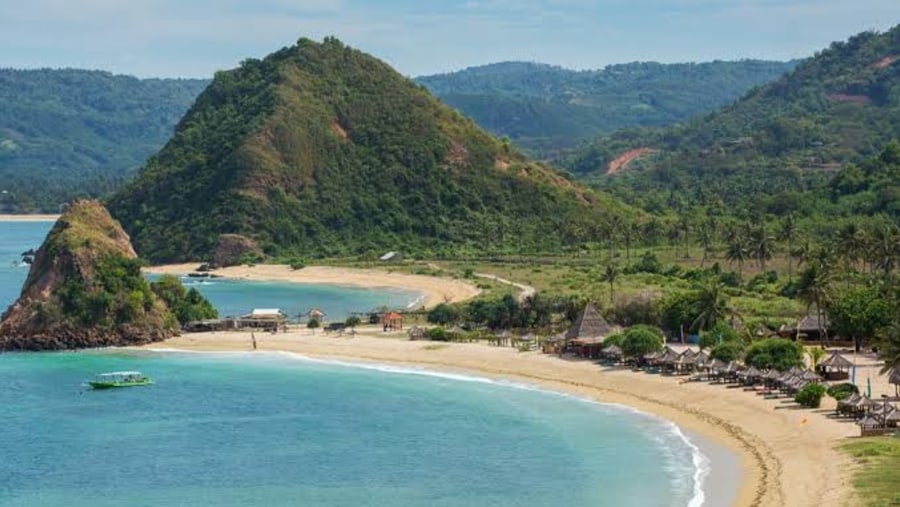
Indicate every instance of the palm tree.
{"type": "Point", "coordinates": [705, 235]}
{"type": "Point", "coordinates": [815, 356]}
{"type": "Point", "coordinates": [711, 305]}
{"type": "Point", "coordinates": [610, 275]}
{"type": "Point", "coordinates": [736, 251]}
{"type": "Point", "coordinates": [814, 286]}
{"type": "Point", "coordinates": [762, 245]}
{"type": "Point", "coordinates": [788, 233]}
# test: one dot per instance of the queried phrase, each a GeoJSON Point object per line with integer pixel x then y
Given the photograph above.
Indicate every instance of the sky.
{"type": "Point", "coordinates": [194, 38]}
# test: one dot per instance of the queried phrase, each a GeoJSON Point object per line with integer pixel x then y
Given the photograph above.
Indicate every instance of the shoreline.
{"type": "Point", "coordinates": [434, 289]}
{"type": "Point", "coordinates": [786, 457]}
{"type": "Point", "coordinates": [28, 218]}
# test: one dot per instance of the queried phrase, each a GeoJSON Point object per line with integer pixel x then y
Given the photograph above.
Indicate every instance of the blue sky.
{"type": "Point", "coordinates": [194, 38]}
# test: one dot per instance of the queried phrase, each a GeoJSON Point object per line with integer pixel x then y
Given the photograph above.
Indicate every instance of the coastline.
{"type": "Point", "coordinates": [787, 457]}
{"type": "Point", "coordinates": [28, 218]}
{"type": "Point", "coordinates": [434, 289]}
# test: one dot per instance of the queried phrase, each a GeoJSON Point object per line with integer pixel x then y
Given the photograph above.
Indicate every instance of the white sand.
{"type": "Point", "coordinates": [435, 289]}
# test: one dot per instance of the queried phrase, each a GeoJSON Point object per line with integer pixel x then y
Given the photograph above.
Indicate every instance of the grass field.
{"type": "Point", "coordinates": [877, 480]}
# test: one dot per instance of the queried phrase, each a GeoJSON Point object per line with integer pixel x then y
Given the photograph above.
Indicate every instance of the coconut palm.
{"type": "Point", "coordinates": [789, 233]}
{"type": "Point", "coordinates": [814, 286]}
{"type": "Point", "coordinates": [815, 356]}
{"type": "Point", "coordinates": [711, 305]}
{"type": "Point", "coordinates": [610, 275]}
{"type": "Point", "coordinates": [736, 251]}
{"type": "Point", "coordinates": [762, 245]}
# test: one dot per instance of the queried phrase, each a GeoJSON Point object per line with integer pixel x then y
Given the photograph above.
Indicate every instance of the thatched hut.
{"type": "Point", "coordinates": [812, 327]}
{"type": "Point", "coordinates": [587, 334]}
{"type": "Point", "coordinates": [895, 379]}
{"type": "Point", "coordinates": [835, 367]}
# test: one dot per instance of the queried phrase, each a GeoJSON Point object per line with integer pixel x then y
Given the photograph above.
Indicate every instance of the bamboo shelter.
{"type": "Point", "coordinates": [586, 336]}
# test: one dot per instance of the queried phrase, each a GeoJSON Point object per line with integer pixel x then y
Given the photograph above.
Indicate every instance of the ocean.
{"type": "Point", "coordinates": [273, 429]}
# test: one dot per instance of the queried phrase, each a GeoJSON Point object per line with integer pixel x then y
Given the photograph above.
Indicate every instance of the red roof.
{"type": "Point", "coordinates": [393, 316]}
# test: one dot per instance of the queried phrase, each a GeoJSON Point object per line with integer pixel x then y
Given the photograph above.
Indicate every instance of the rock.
{"type": "Point", "coordinates": [85, 289]}
{"type": "Point", "coordinates": [231, 249]}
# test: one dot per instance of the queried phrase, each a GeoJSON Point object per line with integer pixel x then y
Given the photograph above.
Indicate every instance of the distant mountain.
{"type": "Point", "coordinates": [544, 108]}
{"type": "Point", "coordinates": [841, 105]}
{"type": "Point", "coordinates": [67, 133]}
{"type": "Point", "coordinates": [320, 149]}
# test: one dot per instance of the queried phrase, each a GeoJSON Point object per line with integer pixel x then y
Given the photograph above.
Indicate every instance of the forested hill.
{"type": "Point", "coordinates": [843, 104]}
{"type": "Point", "coordinates": [544, 108]}
{"type": "Point", "coordinates": [68, 133]}
{"type": "Point", "coordinates": [320, 149]}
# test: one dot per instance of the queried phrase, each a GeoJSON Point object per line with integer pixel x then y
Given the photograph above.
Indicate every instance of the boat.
{"type": "Point", "coordinates": [119, 379]}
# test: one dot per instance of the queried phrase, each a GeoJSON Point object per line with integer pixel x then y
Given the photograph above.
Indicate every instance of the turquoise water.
{"type": "Point", "coordinates": [230, 297]}
{"type": "Point", "coordinates": [266, 430]}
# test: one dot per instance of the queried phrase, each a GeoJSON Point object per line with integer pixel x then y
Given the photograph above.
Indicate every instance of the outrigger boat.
{"type": "Point", "coordinates": [119, 379]}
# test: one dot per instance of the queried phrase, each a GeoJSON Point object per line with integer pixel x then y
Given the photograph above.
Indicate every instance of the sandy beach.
{"type": "Point", "coordinates": [28, 218]}
{"type": "Point", "coordinates": [787, 454]}
{"type": "Point", "coordinates": [436, 290]}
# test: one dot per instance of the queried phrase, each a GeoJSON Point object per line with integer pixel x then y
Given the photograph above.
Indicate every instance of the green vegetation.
{"type": "Point", "coordinates": [187, 305]}
{"type": "Point", "coordinates": [774, 151]}
{"type": "Point", "coordinates": [544, 108]}
{"type": "Point", "coordinates": [842, 391]}
{"type": "Point", "coordinates": [811, 395]}
{"type": "Point", "coordinates": [875, 481]}
{"type": "Point", "coordinates": [775, 353]}
{"type": "Point", "coordinates": [321, 150]}
{"type": "Point", "coordinates": [642, 339]}
{"type": "Point", "coordinates": [76, 133]}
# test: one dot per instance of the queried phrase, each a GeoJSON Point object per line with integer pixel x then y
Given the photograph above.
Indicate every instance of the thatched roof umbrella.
{"type": "Point", "coordinates": [895, 379]}
{"type": "Point", "coordinates": [868, 423]}
{"type": "Point", "coordinates": [795, 371]}
{"type": "Point", "coordinates": [836, 360]}
{"type": "Point", "coordinates": [811, 376]}
{"type": "Point", "coordinates": [752, 372]}
{"type": "Point", "coordinates": [669, 356]}
{"type": "Point", "coordinates": [612, 351]}
{"type": "Point", "coordinates": [893, 418]}
{"type": "Point", "coordinates": [701, 359]}
{"type": "Point", "coordinates": [590, 326]}
{"type": "Point", "coordinates": [718, 365]}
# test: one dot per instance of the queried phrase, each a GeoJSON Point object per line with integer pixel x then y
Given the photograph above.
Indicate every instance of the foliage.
{"type": "Point", "coordinates": [718, 334]}
{"type": "Point", "coordinates": [443, 314]}
{"type": "Point", "coordinates": [859, 313]}
{"type": "Point", "coordinates": [313, 324]}
{"type": "Point", "coordinates": [811, 395]}
{"type": "Point", "coordinates": [642, 339]}
{"type": "Point", "coordinates": [815, 356]}
{"type": "Point", "coordinates": [615, 339]}
{"type": "Point", "coordinates": [776, 353]}
{"type": "Point", "coordinates": [352, 321]}
{"type": "Point", "coordinates": [438, 334]}
{"type": "Point", "coordinates": [67, 133]}
{"type": "Point", "coordinates": [186, 305]}
{"type": "Point", "coordinates": [842, 391]}
{"type": "Point", "coordinates": [727, 351]}
{"type": "Point", "coordinates": [544, 108]}
{"type": "Point", "coordinates": [636, 310]}
{"type": "Point", "coordinates": [321, 150]}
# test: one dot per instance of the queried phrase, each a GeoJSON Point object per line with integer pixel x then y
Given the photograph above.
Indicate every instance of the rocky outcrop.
{"type": "Point", "coordinates": [85, 289]}
{"type": "Point", "coordinates": [231, 249]}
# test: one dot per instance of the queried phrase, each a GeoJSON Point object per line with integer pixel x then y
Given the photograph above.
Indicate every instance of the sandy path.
{"type": "Point", "coordinates": [525, 291]}
{"type": "Point", "coordinates": [436, 290]}
{"type": "Point", "coordinates": [787, 454]}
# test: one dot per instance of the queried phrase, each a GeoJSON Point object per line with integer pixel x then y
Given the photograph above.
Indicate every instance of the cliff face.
{"type": "Point", "coordinates": [85, 289]}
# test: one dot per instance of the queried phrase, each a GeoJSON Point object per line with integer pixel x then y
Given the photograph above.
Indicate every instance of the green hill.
{"type": "Point", "coordinates": [545, 108]}
{"type": "Point", "coordinates": [841, 105]}
{"type": "Point", "coordinates": [68, 133]}
{"type": "Point", "coordinates": [320, 149]}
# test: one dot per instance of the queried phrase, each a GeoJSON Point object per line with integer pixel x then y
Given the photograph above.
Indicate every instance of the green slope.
{"type": "Point", "coordinates": [319, 149]}
{"type": "Point", "coordinates": [544, 108]}
{"type": "Point", "coordinates": [840, 106]}
{"type": "Point", "coordinates": [68, 133]}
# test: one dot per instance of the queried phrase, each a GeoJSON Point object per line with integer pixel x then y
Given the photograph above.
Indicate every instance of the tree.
{"type": "Point", "coordinates": [814, 286]}
{"type": "Point", "coordinates": [352, 321]}
{"type": "Point", "coordinates": [815, 356]}
{"type": "Point", "coordinates": [443, 314]}
{"type": "Point", "coordinates": [710, 305]}
{"type": "Point", "coordinates": [776, 353]}
{"type": "Point", "coordinates": [788, 233]}
{"type": "Point", "coordinates": [718, 334]}
{"type": "Point", "coordinates": [610, 275]}
{"type": "Point", "coordinates": [728, 351]}
{"type": "Point", "coordinates": [313, 324]}
{"type": "Point", "coordinates": [859, 313]}
{"type": "Point", "coordinates": [736, 251]}
{"type": "Point", "coordinates": [762, 245]}
{"type": "Point", "coordinates": [641, 340]}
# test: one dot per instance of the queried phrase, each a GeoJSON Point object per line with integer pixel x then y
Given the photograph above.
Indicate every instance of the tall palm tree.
{"type": "Point", "coordinates": [815, 286]}
{"type": "Point", "coordinates": [705, 236]}
{"type": "Point", "coordinates": [736, 251]}
{"type": "Point", "coordinates": [762, 245]}
{"type": "Point", "coordinates": [711, 305]}
{"type": "Point", "coordinates": [789, 233]}
{"type": "Point", "coordinates": [610, 275]}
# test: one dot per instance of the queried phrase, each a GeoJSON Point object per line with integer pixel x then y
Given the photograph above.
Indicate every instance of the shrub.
{"type": "Point", "coordinates": [615, 339]}
{"type": "Point", "coordinates": [775, 353]}
{"type": "Point", "coordinates": [720, 333]}
{"type": "Point", "coordinates": [352, 321]}
{"type": "Point", "coordinates": [438, 334]}
{"type": "Point", "coordinates": [842, 391]}
{"type": "Point", "coordinates": [728, 351]}
{"type": "Point", "coordinates": [810, 396]}
{"type": "Point", "coordinates": [443, 314]}
{"type": "Point", "coordinates": [640, 340]}
{"type": "Point", "coordinates": [640, 310]}
{"type": "Point", "coordinates": [648, 264]}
